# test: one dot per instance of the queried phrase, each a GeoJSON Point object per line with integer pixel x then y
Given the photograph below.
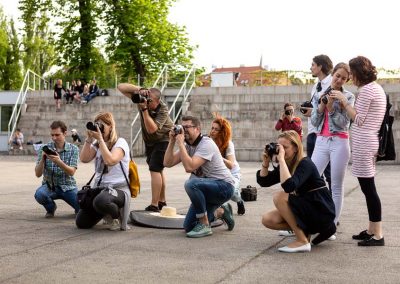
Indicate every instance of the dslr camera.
{"type": "Point", "coordinates": [92, 126]}
{"type": "Point", "coordinates": [324, 98]}
{"type": "Point", "coordinates": [49, 151]}
{"type": "Point", "coordinates": [140, 97]}
{"type": "Point", "coordinates": [271, 149]}
{"type": "Point", "coordinates": [307, 104]}
{"type": "Point", "coordinates": [178, 129]}
{"type": "Point", "coordinates": [288, 112]}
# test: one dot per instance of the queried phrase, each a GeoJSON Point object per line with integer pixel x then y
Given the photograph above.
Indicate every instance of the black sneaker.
{"type": "Point", "coordinates": [152, 208]}
{"type": "Point", "coordinates": [362, 236]}
{"type": "Point", "coordinates": [161, 204]}
{"type": "Point", "coordinates": [241, 210]}
{"type": "Point", "coordinates": [371, 242]}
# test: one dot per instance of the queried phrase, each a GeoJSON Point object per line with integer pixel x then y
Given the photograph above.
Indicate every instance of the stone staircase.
{"type": "Point", "coordinates": [40, 111]}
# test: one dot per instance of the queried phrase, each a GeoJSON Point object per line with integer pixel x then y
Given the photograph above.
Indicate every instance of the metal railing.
{"type": "Point", "coordinates": [31, 82]}
{"type": "Point", "coordinates": [161, 83]}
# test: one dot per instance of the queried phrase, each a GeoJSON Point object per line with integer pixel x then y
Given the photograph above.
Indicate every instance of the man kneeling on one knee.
{"type": "Point", "coordinates": [210, 184]}
{"type": "Point", "coordinates": [58, 168]}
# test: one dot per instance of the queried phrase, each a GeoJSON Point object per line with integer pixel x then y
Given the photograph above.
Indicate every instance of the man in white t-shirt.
{"type": "Point", "coordinates": [210, 185]}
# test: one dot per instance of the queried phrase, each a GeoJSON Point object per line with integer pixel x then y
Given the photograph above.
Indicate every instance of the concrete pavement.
{"type": "Point", "coordinates": [38, 250]}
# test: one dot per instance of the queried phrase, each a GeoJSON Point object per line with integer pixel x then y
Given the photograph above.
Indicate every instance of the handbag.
{"type": "Point", "coordinates": [87, 194]}
{"type": "Point", "coordinates": [386, 150]}
{"type": "Point", "coordinates": [133, 182]}
{"type": "Point", "coordinates": [249, 193]}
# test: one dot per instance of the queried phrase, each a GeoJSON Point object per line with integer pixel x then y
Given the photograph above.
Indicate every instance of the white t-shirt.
{"type": "Point", "coordinates": [113, 174]}
{"type": "Point", "coordinates": [214, 167]}
{"type": "Point", "coordinates": [230, 151]}
{"type": "Point", "coordinates": [325, 83]}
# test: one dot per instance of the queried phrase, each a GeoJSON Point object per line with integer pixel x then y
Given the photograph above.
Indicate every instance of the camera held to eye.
{"type": "Point", "coordinates": [92, 126]}
{"type": "Point", "coordinates": [271, 149]}
{"type": "Point", "coordinates": [306, 104]}
{"type": "Point", "coordinates": [49, 151]}
{"type": "Point", "coordinates": [139, 98]}
{"type": "Point", "coordinates": [178, 129]}
{"type": "Point", "coordinates": [288, 112]}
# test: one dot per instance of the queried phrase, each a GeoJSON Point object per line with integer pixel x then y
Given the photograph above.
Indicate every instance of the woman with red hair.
{"type": "Point", "coordinates": [221, 133]}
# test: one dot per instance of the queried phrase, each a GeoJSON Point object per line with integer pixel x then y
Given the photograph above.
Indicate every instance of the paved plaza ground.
{"type": "Point", "coordinates": [38, 250]}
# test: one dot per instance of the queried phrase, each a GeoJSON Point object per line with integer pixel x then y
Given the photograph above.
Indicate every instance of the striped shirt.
{"type": "Point", "coordinates": [370, 109]}
{"type": "Point", "coordinates": [53, 174]}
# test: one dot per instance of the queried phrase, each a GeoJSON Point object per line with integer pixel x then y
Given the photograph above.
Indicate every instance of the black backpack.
{"type": "Point", "coordinates": [386, 151]}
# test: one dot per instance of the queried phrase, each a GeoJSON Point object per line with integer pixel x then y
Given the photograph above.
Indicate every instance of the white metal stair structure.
{"type": "Point", "coordinates": [174, 110]}
{"type": "Point", "coordinates": [32, 82]}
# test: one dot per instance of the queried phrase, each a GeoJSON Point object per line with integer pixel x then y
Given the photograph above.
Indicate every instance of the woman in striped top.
{"type": "Point", "coordinates": [367, 116]}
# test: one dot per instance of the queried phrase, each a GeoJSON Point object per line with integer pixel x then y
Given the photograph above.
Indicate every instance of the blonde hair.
{"type": "Point", "coordinates": [108, 119]}
{"type": "Point", "coordinates": [294, 138]}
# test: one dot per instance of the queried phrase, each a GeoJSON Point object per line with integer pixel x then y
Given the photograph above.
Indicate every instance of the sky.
{"type": "Point", "coordinates": [287, 34]}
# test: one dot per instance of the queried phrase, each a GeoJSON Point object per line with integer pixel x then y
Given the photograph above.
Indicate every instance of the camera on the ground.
{"type": "Point", "coordinates": [92, 126]}
{"type": "Point", "coordinates": [271, 149]}
{"type": "Point", "coordinates": [178, 129]}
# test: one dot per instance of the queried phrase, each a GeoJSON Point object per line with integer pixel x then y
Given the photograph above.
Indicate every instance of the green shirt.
{"type": "Point", "coordinates": [164, 125]}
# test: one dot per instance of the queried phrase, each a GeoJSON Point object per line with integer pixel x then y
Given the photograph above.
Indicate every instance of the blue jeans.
{"type": "Point", "coordinates": [90, 96]}
{"type": "Point", "coordinates": [311, 139]}
{"type": "Point", "coordinates": [206, 195]}
{"type": "Point", "coordinates": [46, 197]}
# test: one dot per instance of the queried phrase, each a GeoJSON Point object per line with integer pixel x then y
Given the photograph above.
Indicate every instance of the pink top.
{"type": "Point", "coordinates": [325, 129]}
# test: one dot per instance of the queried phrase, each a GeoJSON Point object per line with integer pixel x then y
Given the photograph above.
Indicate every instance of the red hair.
{"type": "Point", "coordinates": [224, 135]}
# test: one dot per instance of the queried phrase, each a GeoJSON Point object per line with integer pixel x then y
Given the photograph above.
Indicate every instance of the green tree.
{"type": "Point", "coordinates": [79, 33]}
{"type": "Point", "coordinates": [38, 40]}
{"type": "Point", "coordinates": [10, 73]}
{"type": "Point", "coordinates": [4, 46]}
{"type": "Point", "coordinates": [140, 40]}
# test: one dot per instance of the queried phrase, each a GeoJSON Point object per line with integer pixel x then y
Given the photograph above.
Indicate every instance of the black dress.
{"type": "Point", "coordinates": [314, 210]}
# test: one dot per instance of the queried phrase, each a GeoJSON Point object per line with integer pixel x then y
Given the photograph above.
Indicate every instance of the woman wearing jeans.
{"type": "Point", "coordinates": [332, 122]}
{"type": "Point", "coordinates": [367, 114]}
{"type": "Point", "coordinates": [111, 156]}
{"type": "Point", "coordinates": [221, 133]}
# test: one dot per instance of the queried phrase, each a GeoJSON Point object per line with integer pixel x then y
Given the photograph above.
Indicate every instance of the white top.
{"type": "Point", "coordinates": [214, 167]}
{"type": "Point", "coordinates": [113, 174]}
{"type": "Point", "coordinates": [325, 83]}
{"type": "Point", "coordinates": [230, 151]}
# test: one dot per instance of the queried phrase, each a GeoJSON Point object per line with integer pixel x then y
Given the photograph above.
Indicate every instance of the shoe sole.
{"type": "Point", "coordinates": [199, 235]}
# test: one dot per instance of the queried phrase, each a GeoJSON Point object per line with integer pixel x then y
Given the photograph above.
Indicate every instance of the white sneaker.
{"type": "Point", "coordinates": [115, 226]}
{"type": "Point", "coordinates": [286, 233]}
{"type": "Point", "coordinates": [107, 220]}
{"type": "Point", "coordinates": [332, 238]}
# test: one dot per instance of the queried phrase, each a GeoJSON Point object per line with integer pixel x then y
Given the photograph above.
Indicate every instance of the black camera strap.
{"type": "Point", "coordinates": [101, 177]}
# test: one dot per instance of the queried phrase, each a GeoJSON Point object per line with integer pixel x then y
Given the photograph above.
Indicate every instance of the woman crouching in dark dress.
{"type": "Point", "coordinates": [305, 206]}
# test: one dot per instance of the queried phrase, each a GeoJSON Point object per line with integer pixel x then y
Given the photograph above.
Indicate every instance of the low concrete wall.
{"type": "Point", "coordinates": [253, 112]}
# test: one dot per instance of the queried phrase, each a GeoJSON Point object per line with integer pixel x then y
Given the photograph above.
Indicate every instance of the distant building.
{"type": "Point", "coordinates": [244, 76]}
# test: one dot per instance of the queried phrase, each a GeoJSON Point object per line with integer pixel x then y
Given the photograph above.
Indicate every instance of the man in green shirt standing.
{"type": "Point", "coordinates": [156, 124]}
